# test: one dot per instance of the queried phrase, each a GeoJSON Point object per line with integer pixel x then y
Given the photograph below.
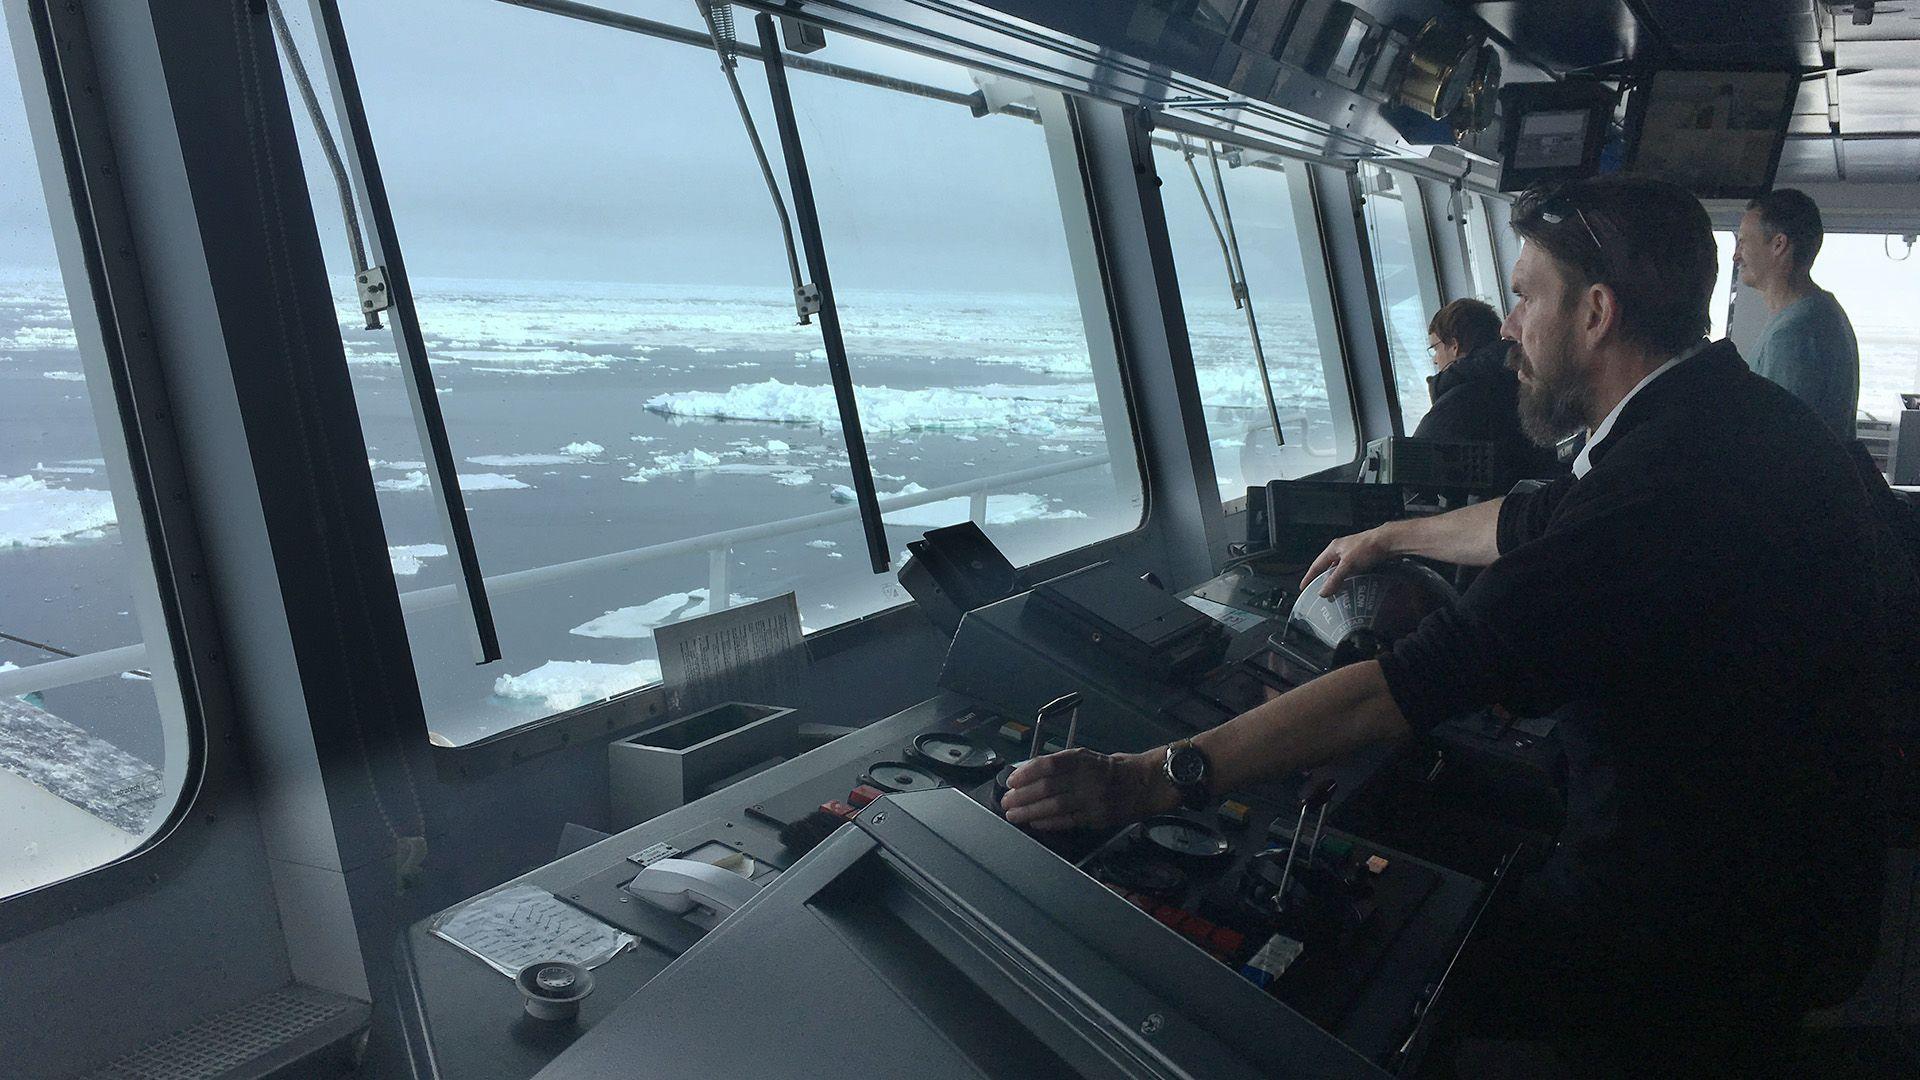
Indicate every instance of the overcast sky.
{"type": "Point", "coordinates": [518, 144]}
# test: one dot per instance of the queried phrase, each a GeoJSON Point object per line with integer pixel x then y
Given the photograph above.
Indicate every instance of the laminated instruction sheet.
{"type": "Point", "coordinates": [525, 924]}
{"type": "Point", "coordinates": [753, 652]}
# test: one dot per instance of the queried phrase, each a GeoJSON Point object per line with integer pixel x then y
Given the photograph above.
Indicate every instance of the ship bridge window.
{"type": "Point", "coordinates": [1263, 346]}
{"type": "Point", "coordinates": [1483, 254]}
{"type": "Point", "coordinates": [1876, 279]}
{"type": "Point", "coordinates": [643, 429]}
{"type": "Point", "coordinates": [1403, 269]}
{"type": "Point", "coordinates": [1720, 308]}
{"type": "Point", "coordinates": [94, 739]}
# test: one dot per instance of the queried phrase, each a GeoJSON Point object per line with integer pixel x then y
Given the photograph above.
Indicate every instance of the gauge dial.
{"type": "Point", "coordinates": [956, 751]}
{"type": "Point", "coordinates": [897, 776]}
{"type": "Point", "coordinates": [1187, 839]}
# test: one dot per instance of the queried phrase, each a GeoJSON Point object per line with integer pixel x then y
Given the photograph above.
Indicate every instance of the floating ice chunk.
{"type": "Point", "coordinates": [538, 361]}
{"type": "Point", "coordinates": [1001, 510]}
{"type": "Point", "coordinates": [796, 478]}
{"type": "Point", "coordinates": [886, 409]}
{"type": "Point", "coordinates": [822, 544]}
{"type": "Point", "coordinates": [64, 376]}
{"type": "Point", "coordinates": [583, 449]}
{"type": "Point", "coordinates": [1056, 448]}
{"type": "Point", "coordinates": [413, 481]}
{"type": "Point", "coordinates": [406, 557]}
{"type": "Point", "coordinates": [34, 515]}
{"type": "Point", "coordinates": [489, 482]}
{"type": "Point", "coordinates": [41, 339]}
{"type": "Point", "coordinates": [559, 685]}
{"type": "Point", "coordinates": [686, 461]}
{"type": "Point", "coordinates": [508, 461]}
{"type": "Point", "coordinates": [835, 555]}
{"type": "Point", "coordinates": [417, 481]}
{"type": "Point", "coordinates": [640, 620]}
{"type": "Point", "coordinates": [841, 493]}
{"type": "Point", "coordinates": [1047, 364]}
{"type": "Point", "coordinates": [75, 470]}
{"type": "Point", "coordinates": [641, 438]}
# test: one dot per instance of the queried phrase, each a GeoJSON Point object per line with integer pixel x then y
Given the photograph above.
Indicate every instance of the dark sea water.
{"type": "Point", "coordinates": [590, 419]}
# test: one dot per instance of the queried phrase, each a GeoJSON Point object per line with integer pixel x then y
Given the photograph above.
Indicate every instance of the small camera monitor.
{"type": "Point", "coordinates": [1552, 131]}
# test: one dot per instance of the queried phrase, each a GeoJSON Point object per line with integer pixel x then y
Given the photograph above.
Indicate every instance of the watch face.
{"type": "Point", "coordinates": [1187, 766]}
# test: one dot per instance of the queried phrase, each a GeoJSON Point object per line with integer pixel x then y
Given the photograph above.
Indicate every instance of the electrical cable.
{"type": "Point", "coordinates": [324, 133]}
{"type": "Point", "coordinates": [719, 19]}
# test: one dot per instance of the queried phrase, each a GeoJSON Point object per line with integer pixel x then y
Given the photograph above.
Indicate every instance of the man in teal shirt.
{"type": "Point", "coordinates": [1808, 345]}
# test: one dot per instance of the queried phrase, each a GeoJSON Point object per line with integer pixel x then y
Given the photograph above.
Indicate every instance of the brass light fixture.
{"type": "Point", "coordinates": [1439, 68]}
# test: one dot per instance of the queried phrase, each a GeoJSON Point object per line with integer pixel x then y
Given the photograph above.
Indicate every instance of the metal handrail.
{"type": "Point", "coordinates": [95, 665]}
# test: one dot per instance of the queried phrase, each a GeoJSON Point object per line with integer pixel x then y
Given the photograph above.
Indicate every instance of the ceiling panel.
{"type": "Point", "coordinates": [1884, 162]}
{"type": "Point", "coordinates": [1565, 34]}
{"type": "Point", "coordinates": [1885, 96]}
{"type": "Point", "coordinates": [1806, 161]}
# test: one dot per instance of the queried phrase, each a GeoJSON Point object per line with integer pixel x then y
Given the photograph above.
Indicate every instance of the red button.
{"type": "Point", "coordinates": [863, 794]}
{"type": "Point", "coordinates": [839, 809]}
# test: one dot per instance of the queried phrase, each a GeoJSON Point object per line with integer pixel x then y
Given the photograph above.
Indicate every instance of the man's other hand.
{"type": "Point", "coordinates": [1348, 556]}
{"type": "Point", "coordinates": [1082, 789]}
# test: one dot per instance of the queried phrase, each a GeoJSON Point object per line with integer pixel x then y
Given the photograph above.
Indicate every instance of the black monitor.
{"type": "Point", "coordinates": [1552, 131]}
{"type": "Point", "coordinates": [1718, 133]}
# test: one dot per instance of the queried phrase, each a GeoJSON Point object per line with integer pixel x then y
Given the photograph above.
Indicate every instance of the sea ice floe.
{"type": "Point", "coordinates": [41, 339]}
{"type": "Point", "coordinates": [640, 620]}
{"type": "Point", "coordinates": [34, 514]}
{"type": "Point", "coordinates": [63, 376]}
{"type": "Point", "coordinates": [822, 544]}
{"type": "Point", "coordinates": [509, 461]}
{"type": "Point", "coordinates": [1026, 410]}
{"type": "Point", "coordinates": [583, 449]}
{"type": "Point", "coordinates": [417, 481]}
{"type": "Point", "coordinates": [1001, 509]}
{"type": "Point", "coordinates": [558, 685]}
{"type": "Point", "coordinates": [406, 557]}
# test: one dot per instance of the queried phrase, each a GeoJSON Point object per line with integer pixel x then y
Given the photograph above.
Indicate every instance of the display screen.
{"type": "Point", "coordinates": [1718, 133]}
{"type": "Point", "coordinates": [1553, 139]}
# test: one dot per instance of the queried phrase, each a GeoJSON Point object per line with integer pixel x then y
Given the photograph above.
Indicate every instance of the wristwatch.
{"type": "Point", "coordinates": [1191, 772]}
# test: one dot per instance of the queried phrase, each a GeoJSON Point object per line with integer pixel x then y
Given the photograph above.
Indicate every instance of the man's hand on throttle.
{"type": "Point", "coordinates": [1348, 556]}
{"type": "Point", "coordinates": [1082, 789]}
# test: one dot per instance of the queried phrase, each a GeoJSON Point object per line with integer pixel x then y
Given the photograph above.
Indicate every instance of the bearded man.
{"type": "Point", "coordinates": [1698, 600]}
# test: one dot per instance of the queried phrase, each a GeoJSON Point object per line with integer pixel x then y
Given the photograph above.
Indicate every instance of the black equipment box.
{"type": "Point", "coordinates": [1429, 464]}
{"type": "Point", "coordinates": [1147, 628]}
{"type": "Point", "coordinates": [954, 570]}
{"type": "Point", "coordinates": [1303, 516]}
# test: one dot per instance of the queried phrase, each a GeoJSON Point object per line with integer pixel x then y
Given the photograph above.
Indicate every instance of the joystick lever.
{"type": "Point", "coordinates": [1316, 797]}
{"type": "Point", "coordinates": [1065, 703]}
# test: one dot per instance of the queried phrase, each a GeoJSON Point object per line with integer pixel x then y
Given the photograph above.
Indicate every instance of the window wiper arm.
{"type": "Point", "coordinates": [719, 17]}
{"type": "Point", "coordinates": [1236, 270]}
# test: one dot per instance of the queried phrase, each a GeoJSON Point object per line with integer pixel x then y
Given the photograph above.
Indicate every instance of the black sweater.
{"type": "Point", "coordinates": [1702, 608]}
{"type": "Point", "coordinates": [1477, 399]}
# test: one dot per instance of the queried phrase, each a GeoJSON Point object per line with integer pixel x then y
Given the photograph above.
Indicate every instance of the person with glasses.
{"type": "Point", "coordinates": [1698, 600]}
{"type": "Point", "coordinates": [1476, 396]}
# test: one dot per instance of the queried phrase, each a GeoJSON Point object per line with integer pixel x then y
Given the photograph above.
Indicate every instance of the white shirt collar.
{"type": "Point", "coordinates": [1583, 463]}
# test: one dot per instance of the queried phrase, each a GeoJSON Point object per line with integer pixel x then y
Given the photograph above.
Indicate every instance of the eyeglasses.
{"type": "Point", "coordinates": [1553, 207]}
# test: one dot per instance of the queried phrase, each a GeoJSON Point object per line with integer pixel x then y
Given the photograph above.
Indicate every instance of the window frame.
{"type": "Point", "coordinates": [631, 709]}
{"type": "Point", "coordinates": [1428, 269]}
{"type": "Point", "coordinates": [72, 139]}
{"type": "Point", "coordinates": [1317, 268]}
